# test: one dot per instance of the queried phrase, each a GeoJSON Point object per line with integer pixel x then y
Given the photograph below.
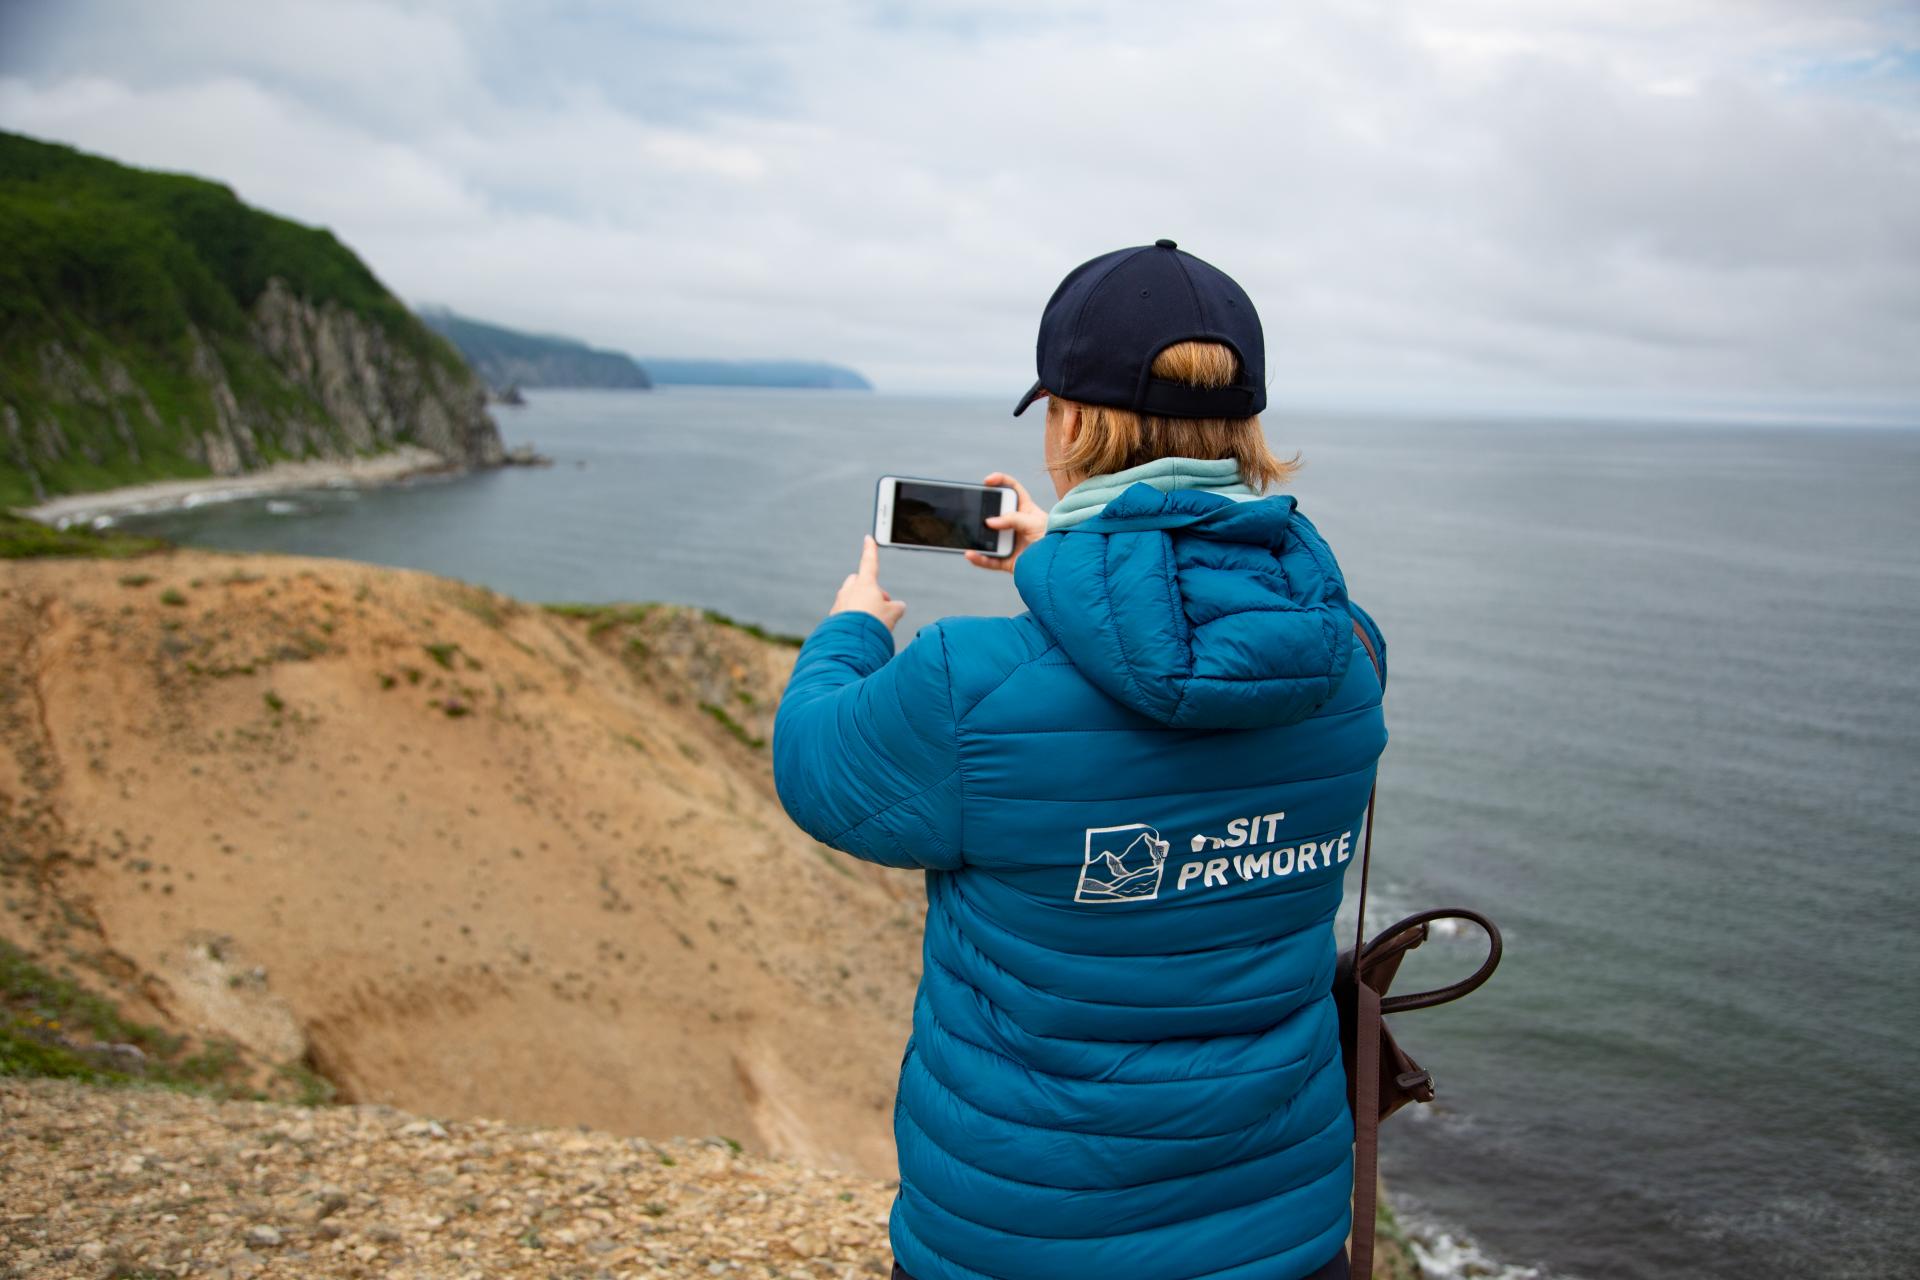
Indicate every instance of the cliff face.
{"type": "Point", "coordinates": [377, 393]}
{"type": "Point", "coordinates": [153, 326]}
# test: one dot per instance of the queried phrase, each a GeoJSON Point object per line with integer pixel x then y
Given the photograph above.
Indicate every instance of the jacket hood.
{"type": "Point", "coordinates": [1195, 609]}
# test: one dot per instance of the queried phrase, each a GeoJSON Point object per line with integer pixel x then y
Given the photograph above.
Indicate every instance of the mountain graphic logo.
{"type": "Point", "coordinates": [1122, 864]}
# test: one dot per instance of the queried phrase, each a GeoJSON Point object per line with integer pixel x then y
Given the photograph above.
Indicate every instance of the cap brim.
{"type": "Point", "coordinates": [1033, 393]}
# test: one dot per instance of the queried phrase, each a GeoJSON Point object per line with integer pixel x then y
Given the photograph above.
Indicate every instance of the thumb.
{"type": "Point", "coordinates": [1002, 480]}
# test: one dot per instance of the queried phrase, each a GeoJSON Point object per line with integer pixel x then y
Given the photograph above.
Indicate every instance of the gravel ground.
{"type": "Point", "coordinates": [137, 1183]}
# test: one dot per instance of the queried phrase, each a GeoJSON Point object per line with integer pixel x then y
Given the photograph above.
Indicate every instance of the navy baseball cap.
{"type": "Point", "coordinates": [1111, 317]}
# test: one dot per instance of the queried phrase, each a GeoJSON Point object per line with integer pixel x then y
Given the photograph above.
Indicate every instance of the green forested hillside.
{"type": "Point", "coordinates": [154, 325]}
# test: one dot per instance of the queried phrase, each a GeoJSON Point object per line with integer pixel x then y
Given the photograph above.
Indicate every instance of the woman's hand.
{"type": "Point", "coordinates": [862, 590]}
{"type": "Point", "coordinates": [1028, 522]}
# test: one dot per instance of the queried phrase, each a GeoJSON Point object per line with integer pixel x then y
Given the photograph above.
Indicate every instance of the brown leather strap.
{"type": "Point", "coordinates": [1366, 847]}
{"type": "Point", "coordinates": [1366, 866]}
{"type": "Point", "coordinates": [1366, 1129]}
{"type": "Point", "coordinates": [1366, 1049]}
{"type": "Point", "coordinates": [1366, 642]}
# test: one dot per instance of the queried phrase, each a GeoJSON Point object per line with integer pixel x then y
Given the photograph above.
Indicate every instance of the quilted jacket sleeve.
{"type": "Point", "coordinates": [865, 755]}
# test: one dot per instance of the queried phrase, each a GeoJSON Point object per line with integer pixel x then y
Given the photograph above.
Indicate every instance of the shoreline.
{"type": "Point", "coordinates": [167, 495]}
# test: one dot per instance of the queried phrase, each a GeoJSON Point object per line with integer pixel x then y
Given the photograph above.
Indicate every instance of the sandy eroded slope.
{"type": "Point", "coordinates": [463, 855]}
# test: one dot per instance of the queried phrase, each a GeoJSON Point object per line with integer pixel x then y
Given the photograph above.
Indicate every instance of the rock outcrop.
{"type": "Point", "coordinates": [363, 394]}
{"type": "Point", "coordinates": [376, 393]}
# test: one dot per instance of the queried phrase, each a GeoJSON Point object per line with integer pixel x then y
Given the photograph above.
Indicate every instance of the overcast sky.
{"type": "Point", "coordinates": [1667, 201]}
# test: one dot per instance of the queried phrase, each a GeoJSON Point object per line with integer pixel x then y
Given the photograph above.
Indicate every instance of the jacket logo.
{"type": "Point", "coordinates": [1128, 863]}
{"type": "Point", "coordinates": [1122, 864]}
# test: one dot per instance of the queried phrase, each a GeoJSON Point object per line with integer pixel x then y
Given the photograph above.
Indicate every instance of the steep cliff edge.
{"type": "Point", "coordinates": [152, 326]}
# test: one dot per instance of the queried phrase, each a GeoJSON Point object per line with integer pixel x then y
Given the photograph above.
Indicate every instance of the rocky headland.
{"type": "Point", "coordinates": [154, 327]}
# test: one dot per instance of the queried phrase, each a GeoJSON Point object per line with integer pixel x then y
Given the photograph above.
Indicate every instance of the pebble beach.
{"type": "Point", "coordinates": [167, 495]}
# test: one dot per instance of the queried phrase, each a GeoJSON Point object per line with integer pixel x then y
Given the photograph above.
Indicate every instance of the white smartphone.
{"type": "Point", "coordinates": [941, 515]}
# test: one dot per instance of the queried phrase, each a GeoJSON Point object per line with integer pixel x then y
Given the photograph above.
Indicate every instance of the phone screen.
{"type": "Point", "coordinates": [945, 515]}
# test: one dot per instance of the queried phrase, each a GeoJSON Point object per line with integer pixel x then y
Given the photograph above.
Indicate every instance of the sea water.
{"type": "Point", "coordinates": [1654, 707]}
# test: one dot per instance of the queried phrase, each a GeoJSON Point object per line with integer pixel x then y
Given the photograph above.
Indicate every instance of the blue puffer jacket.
{"type": "Point", "coordinates": [1134, 803]}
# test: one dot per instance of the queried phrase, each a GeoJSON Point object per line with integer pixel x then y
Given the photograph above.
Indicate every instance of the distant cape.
{"type": "Point", "coordinates": [514, 358]}
{"type": "Point", "coordinates": [754, 373]}
{"type": "Point", "coordinates": [510, 358]}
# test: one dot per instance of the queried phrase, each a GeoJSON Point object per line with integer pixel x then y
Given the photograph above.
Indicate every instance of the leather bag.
{"type": "Point", "coordinates": [1381, 1076]}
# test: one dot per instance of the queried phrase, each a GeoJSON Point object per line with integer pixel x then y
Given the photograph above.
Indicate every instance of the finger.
{"type": "Point", "coordinates": [869, 558]}
{"type": "Point", "coordinates": [998, 522]}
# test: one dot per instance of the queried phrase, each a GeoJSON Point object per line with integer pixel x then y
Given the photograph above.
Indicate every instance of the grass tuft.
{"type": "Point", "coordinates": [754, 629]}
{"type": "Point", "coordinates": [732, 726]}
{"type": "Point", "coordinates": [50, 1025]}
{"type": "Point", "coordinates": [23, 538]}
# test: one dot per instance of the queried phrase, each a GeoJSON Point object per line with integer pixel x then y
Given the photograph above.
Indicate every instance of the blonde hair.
{"type": "Point", "coordinates": [1113, 439]}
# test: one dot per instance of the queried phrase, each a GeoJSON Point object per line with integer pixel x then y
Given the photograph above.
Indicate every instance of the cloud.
{"type": "Point", "coordinates": [1679, 198]}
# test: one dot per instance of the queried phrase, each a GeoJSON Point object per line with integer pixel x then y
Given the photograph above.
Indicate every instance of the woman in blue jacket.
{"type": "Point", "coordinates": [1134, 803]}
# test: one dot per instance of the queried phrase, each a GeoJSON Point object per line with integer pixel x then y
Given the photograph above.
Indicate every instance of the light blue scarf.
{"type": "Point", "coordinates": [1085, 500]}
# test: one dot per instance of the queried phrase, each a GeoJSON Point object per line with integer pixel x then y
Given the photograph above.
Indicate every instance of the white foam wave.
{"type": "Point", "coordinates": [1447, 1254]}
{"type": "Point", "coordinates": [205, 498]}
